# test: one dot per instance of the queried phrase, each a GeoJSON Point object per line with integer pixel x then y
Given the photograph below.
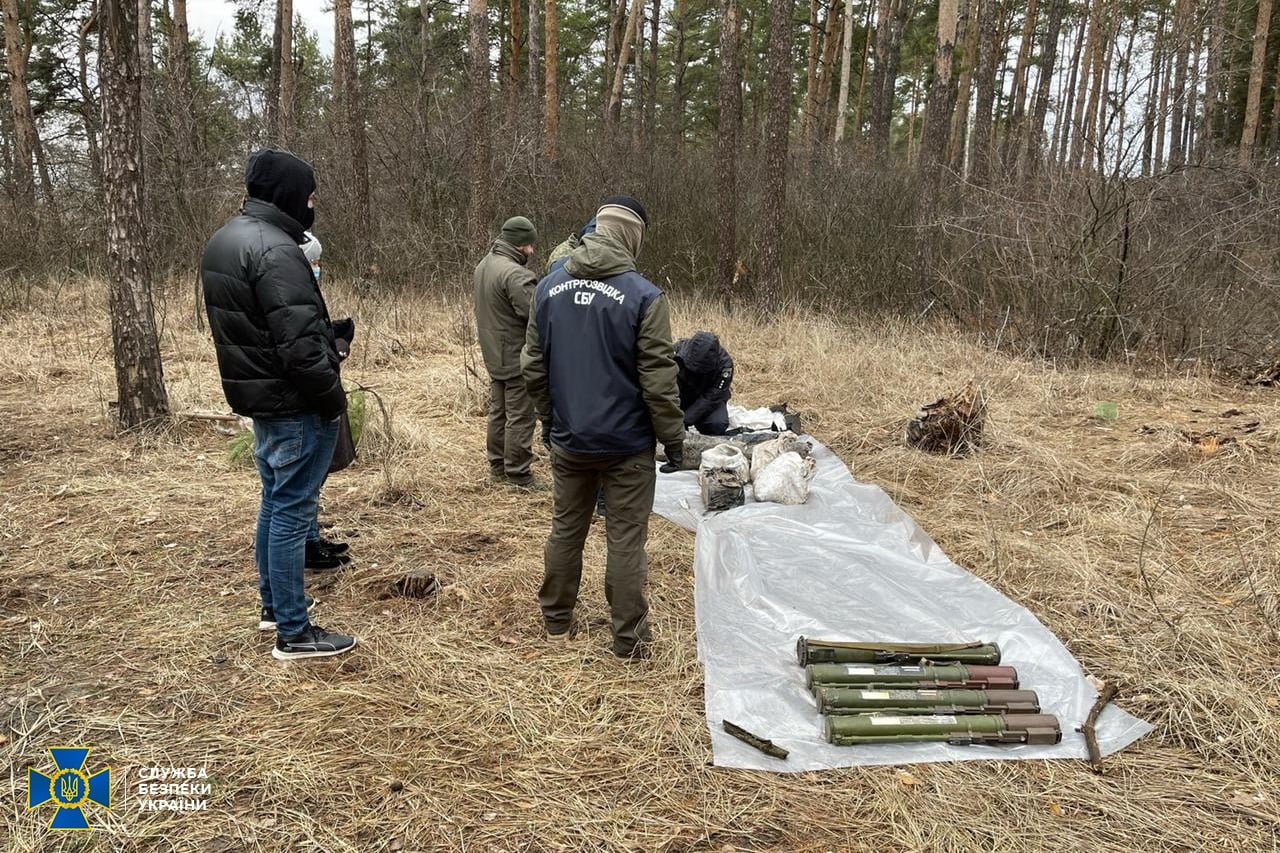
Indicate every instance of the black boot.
{"type": "Point", "coordinates": [320, 558]}
{"type": "Point", "coordinates": [334, 547]}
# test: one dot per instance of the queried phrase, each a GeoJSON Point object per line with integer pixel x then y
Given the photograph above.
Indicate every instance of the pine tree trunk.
{"type": "Point", "coordinates": [347, 80]}
{"type": "Point", "coordinates": [1257, 69]}
{"type": "Point", "coordinates": [878, 131]}
{"type": "Point", "coordinates": [1014, 131]}
{"type": "Point", "coordinates": [140, 392]}
{"type": "Point", "coordinates": [941, 97]}
{"type": "Point", "coordinates": [1126, 66]}
{"type": "Point", "coordinates": [1082, 123]}
{"type": "Point", "coordinates": [885, 86]}
{"type": "Point", "coordinates": [478, 204]}
{"type": "Point", "coordinates": [24, 122]}
{"type": "Point", "coordinates": [826, 66]}
{"type": "Point", "coordinates": [534, 76]}
{"type": "Point", "coordinates": [968, 36]}
{"type": "Point", "coordinates": [730, 121]}
{"type": "Point", "coordinates": [425, 74]}
{"type": "Point", "coordinates": [651, 98]}
{"type": "Point", "coordinates": [180, 63]}
{"type": "Point", "coordinates": [146, 55]}
{"type": "Point", "coordinates": [637, 85]}
{"type": "Point", "coordinates": [1191, 124]}
{"type": "Point", "coordinates": [912, 145]}
{"type": "Point", "coordinates": [1149, 111]}
{"type": "Point", "coordinates": [511, 85]}
{"type": "Point", "coordinates": [1212, 132]}
{"type": "Point", "coordinates": [552, 80]}
{"type": "Point", "coordinates": [777, 134]}
{"type": "Point", "coordinates": [1102, 93]}
{"type": "Point", "coordinates": [288, 79]}
{"type": "Point", "coordinates": [980, 145]}
{"type": "Point", "coordinates": [629, 35]}
{"type": "Point", "coordinates": [1065, 123]}
{"type": "Point", "coordinates": [90, 114]}
{"type": "Point", "coordinates": [1182, 42]}
{"type": "Point", "coordinates": [1162, 104]}
{"type": "Point", "coordinates": [862, 72]}
{"type": "Point", "coordinates": [1048, 64]}
{"type": "Point", "coordinates": [613, 45]}
{"type": "Point", "coordinates": [846, 68]}
{"type": "Point", "coordinates": [679, 95]}
{"type": "Point", "coordinates": [809, 126]}
{"type": "Point", "coordinates": [272, 104]}
{"type": "Point", "coordinates": [1273, 141]}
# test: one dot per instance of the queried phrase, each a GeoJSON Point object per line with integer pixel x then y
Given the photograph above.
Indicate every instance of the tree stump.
{"type": "Point", "coordinates": [951, 425]}
{"type": "Point", "coordinates": [419, 584]}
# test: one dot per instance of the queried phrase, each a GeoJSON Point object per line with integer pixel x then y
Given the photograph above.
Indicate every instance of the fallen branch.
{"type": "Point", "coordinates": [211, 416]}
{"type": "Point", "coordinates": [764, 745]}
{"type": "Point", "coordinates": [1090, 727]}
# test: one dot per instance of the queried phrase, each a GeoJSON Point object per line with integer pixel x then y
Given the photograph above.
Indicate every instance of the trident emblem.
{"type": "Point", "coordinates": [70, 788]}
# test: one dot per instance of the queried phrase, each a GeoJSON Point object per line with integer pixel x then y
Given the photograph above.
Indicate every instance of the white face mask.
{"type": "Point", "coordinates": [315, 270]}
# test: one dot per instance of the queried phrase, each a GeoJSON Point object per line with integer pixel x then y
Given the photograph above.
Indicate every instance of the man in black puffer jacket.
{"type": "Point", "coordinates": [279, 365]}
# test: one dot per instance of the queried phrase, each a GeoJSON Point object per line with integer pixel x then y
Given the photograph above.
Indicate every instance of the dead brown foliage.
{"type": "Point", "coordinates": [127, 603]}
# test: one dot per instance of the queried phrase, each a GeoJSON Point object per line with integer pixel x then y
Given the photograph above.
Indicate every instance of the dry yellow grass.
{"type": "Point", "coordinates": [128, 602]}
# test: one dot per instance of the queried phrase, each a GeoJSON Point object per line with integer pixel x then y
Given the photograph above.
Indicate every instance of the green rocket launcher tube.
{"type": "Point", "coordinates": [856, 729]}
{"type": "Point", "coordinates": [809, 650]}
{"type": "Point", "coordinates": [923, 676]}
{"type": "Point", "coordinates": [853, 700]}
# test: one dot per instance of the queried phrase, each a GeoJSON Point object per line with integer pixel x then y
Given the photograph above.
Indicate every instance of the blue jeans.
{"type": "Point", "coordinates": [293, 456]}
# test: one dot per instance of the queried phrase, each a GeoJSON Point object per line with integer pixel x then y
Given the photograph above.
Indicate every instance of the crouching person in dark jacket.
{"type": "Point", "coordinates": [706, 383]}
{"type": "Point", "coordinates": [278, 360]}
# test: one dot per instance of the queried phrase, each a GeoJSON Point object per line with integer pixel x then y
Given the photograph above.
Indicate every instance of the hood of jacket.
{"type": "Point", "coordinates": [269, 213]}
{"type": "Point", "coordinates": [599, 256]}
{"type": "Point", "coordinates": [281, 179]}
{"type": "Point", "coordinates": [505, 249]}
{"type": "Point", "coordinates": [699, 353]}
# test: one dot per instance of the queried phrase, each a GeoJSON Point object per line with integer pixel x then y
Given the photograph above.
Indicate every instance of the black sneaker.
{"type": "Point", "coordinates": [320, 558]}
{"type": "Point", "coordinates": [314, 642]}
{"type": "Point", "coordinates": [334, 547]}
{"type": "Point", "coordinates": [267, 621]}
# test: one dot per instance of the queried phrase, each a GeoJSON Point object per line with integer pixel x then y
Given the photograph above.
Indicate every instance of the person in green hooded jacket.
{"type": "Point", "coordinates": [504, 285]}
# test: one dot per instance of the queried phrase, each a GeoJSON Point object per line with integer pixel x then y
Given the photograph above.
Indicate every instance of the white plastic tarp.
{"type": "Point", "coordinates": [850, 565]}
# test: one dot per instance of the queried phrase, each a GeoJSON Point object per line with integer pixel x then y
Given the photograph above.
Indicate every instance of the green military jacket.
{"type": "Point", "coordinates": [503, 287]}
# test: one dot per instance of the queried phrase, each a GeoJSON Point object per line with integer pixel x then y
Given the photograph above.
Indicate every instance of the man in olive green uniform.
{"type": "Point", "coordinates": [600, 365]}
{"type": "Point", "coordinates": [504, 284]}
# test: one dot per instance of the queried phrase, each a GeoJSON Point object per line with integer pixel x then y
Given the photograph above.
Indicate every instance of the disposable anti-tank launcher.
{"type": "Point", "coordinates": [959, 730]}
{"type": "Point", "coordinates": [853, 700]}
{"type": "Point", "coordinates": [810, 650]}
{"type": "Point", "coordinates": [926, 676]}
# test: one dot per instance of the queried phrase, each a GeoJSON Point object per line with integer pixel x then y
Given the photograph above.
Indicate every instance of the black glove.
{"type": "Point", "coordinates": [344, 348]}
{"type": "Point", "coordinates": [345, 330]}
{"type": "Point", "coordinates": [546, 431]}
{"type": "Point", "coordinates": [675, 458]}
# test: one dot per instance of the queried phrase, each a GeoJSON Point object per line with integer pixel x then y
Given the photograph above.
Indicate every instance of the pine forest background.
{"type": "Point", "coordinates": [1091, 179]}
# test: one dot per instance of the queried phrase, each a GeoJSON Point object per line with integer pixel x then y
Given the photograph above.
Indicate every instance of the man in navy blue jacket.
{"type": "Point", "coordinates": [599, 363]}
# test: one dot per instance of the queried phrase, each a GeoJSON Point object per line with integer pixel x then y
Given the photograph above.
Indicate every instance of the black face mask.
{"type": "Point", "coordinates": [284, 180]}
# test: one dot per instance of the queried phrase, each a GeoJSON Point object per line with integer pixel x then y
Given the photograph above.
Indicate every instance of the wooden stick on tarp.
{"type": "Point", "coordinates": [764, 745]}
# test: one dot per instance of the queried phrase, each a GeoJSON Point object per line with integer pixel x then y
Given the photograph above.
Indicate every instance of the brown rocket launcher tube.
{"type": "Point", "coordinates": [810, 650]}
{"type": "Point", "coordinates": [855, 700]}
{"type": "Point", "coordinates": [928, 676]}
{"type": "Point", "coordinates": [858, 729]}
